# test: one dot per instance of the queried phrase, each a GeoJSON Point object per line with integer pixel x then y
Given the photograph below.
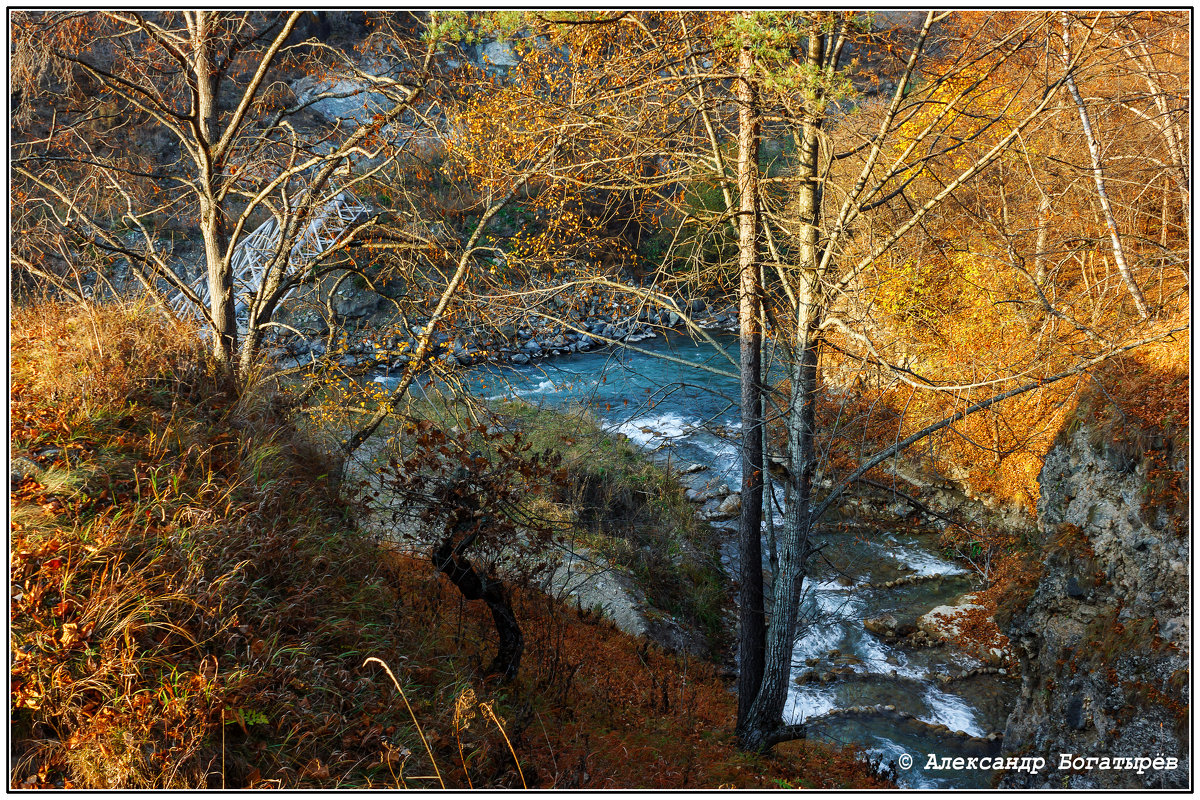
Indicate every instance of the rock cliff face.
{"type": "Point", "coordinates": [1104, 640]}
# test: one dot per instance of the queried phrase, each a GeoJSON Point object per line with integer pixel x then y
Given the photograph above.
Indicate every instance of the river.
{"type": "Point", "coordinates": [685, 414]}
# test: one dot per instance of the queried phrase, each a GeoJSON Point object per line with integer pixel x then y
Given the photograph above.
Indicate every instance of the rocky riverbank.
{"type": "Point", "coordinates": [1104, 641]}
{"type": "Point", "coordinates": [1116, 591]}
{"type": "Point", "coordinates": [635, 555]}
{"type": "Point", "coordinates": [365, 334]}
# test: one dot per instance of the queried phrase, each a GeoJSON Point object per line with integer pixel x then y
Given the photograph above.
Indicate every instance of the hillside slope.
{"type": "Point", "coordinates": [192, 606]}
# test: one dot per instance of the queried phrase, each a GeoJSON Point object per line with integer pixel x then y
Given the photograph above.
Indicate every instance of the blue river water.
{"type": "Point", "coordinates": [688, 413]}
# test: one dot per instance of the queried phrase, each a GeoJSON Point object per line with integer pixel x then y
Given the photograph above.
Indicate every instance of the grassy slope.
{"type": "Point", "coordinates": [632, 513]}
{"type": "Point", "coordinates": [192, 605]}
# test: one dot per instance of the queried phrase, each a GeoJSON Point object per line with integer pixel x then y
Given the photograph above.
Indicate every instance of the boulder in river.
{"type": "Point", "coordinates": [885, 626]}
{"type": "Point", "coordinates": [731, 505]}
{"type": "Point", "coordinates": [944, 622]}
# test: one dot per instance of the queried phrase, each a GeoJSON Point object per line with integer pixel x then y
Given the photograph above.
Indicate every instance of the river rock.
{"type": "Point", "coordinates": [945, 622]}
{"type": "Point", "coordinates": [498, 54]}
{"type": "Point", "coordinates": [300, 346]}
{"type": "Point", "coordinates": [347, 98]}
{"type": "Point", "coordinates": [731, 505]}
{"type": "Point", "coordinates": [21, 468]}
{"type": "Point", "coordinates": [519, 358]}
{"type": "Point", "coordinates": [884, 626]}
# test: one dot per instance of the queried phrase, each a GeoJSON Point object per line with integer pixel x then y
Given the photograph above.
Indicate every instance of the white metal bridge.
{"type": "Point", "coordinates": [255, 251]}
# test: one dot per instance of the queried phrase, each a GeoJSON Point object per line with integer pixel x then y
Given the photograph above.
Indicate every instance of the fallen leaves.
{"type": "Point", "coordinates": [315, 769]}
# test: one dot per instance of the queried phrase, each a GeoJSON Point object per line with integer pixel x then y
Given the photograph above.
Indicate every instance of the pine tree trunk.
{"type": "Point", "coordinates": [751, 615]}
{"type": "Point", "coordinates": [764, 725]}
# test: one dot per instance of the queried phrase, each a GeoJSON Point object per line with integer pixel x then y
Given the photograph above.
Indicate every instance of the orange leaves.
{"type": "Point", "coordinates": [499, 132]}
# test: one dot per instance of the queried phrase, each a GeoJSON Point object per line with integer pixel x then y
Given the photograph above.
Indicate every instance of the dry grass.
{"type": "Point", "coordinates": [592, 706]}
{"type": "Point", "coordinates": [192, 607]}
{"type": "Point", "coordinates": [184, 591]}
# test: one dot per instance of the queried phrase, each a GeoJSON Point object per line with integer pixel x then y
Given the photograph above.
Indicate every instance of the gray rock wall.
{"type": "Point", "coordinates": [1104, 641]}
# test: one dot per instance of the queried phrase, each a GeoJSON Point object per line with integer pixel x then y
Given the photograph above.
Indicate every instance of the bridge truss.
{"type": "Point", "coordinates": [254, 252]}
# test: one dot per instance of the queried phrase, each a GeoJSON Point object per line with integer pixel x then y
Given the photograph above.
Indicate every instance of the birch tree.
{"type": "Point", "coordinates": [212, 89]}
{"type": "Point", "coordinates": [1098, 174]}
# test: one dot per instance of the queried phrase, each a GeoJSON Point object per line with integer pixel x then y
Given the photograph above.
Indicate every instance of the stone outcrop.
{"type": "Point", "coordinates": [346, 99]}
{"type": "Point", "coordinates": [1103, 642]}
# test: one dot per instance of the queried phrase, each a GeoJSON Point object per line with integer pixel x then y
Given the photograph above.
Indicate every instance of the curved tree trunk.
{"type": "Point", "coordinates": [474, 586]}
{"type": "Point", "coordinates": [1093, 145]}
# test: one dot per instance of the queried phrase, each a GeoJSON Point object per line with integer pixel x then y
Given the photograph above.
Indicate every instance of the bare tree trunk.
{"type": "Point", "coordinates": [1164, 217]}
{"type": "Point", "coordinates": [769, 506]}
{"type": "Point", "coordinates": [212, 220]}
{"type": "Point", "coordinates": [751, 614]}
{"type": "Point", "coordinates": [1098, 175]}
{"type": "Point", "coordinates": [766, 716]}
{"type": "Point", "coordinates": [1039, 253]}
{"type": "Point", "coordinates": [1167, 122]}
{"type": "Point", "coordinates": [220, 285]}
